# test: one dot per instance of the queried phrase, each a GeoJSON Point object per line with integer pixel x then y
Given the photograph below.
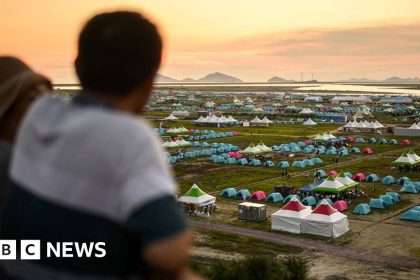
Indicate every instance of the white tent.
{"type": "Point", "coordinates": [196, 196]}
{"type": "Point", "coordinates": [306, 111]}
{"type": "Point", "coordinates": [346, 181]}
{"type": "Point", "coordinates": [173, 130]}
{"type": "Point", "coordinates": [171, 118]}
{"type": "Point", "coordinates": [265, 120]}
{"type": "Point", "coordinates": [183, 129]}
{"type": "Point", "coordinates": [414, 126]}
{"type": "Point", "coordinates": [182, 143]}
{"type": "Point", "coordinates": [170, 144]}
{"type": "Point", "coordinates": [256, 120]}
{"type": "Point", "coordinates": [325, 221]}
{"type": "Point", "coordinates": [263, 148]}
{"type": "Point", "coordinates": [252, 150]}
{"type": "Point", "coordinates": [290, 216]}
{"type": "Point", "coordinates": [309, 122]}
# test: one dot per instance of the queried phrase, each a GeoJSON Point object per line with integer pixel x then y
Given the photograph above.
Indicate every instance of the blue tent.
{"type": "Point", "coordinates": [301, 144]}
{"type": "Point", "coordinates": [388, 180]}
{"type": "Point", "coordinates": [283, 164]}
{"type": "Point", "coordinates": [289, 197]}
{"type": "Point", "coordinates": [308, 162]}
{"type": "Point", "coordinates": [309, 187]}
{"type": "Point", "coordinates": [229, 192]}
{"type": "Point", "coordinates": [361, 209]}
{"type": "Point", "coordinates": [360, 140]}
{"type": "Point", "coordinates": [409, 188]}
{"type": "Point", "coordinates": [243, 161]}
{"type": "Point", "coordinates": [328, 200]}
{"type": "Point", "coordinates": [244, 193]}
{"type": "Point", "coordinates": [393, 141]}
{"type": "Point", "coordinates": [331, 152]}
{"type": "Point", "coordinates": [372, 178]}
{"type": "Point", "coordinates": [231, 161]}
{"type": "Point", "coordinates": [320, 173]}
{"type": "Point", "coordinates": [268, 163]}
{"type": "Point", "coordinates": [395, 196]}
{"type": "Point", "coordinates": [255, 162]}
{"type": "Point", "coordinates": [355, 150]}
{"type": "Point", "coordinates": [215, 145]}
{"type": "Point", "coordinates": [387, 199]}
{"type": "Point", "coordinates": [372, 140]}
{"type": "Point", "coordinates": [383, 141]}
{"type": "Point", "coordinates": [343, 153]}
{"type": "Point", "coordinates": [285, 148]}
{"type": "Point", "coordinates": [219, 159]}
{"type": "Point", "coordinates": [411, 215]}
{"type": "Point", "coordinates": [205, 144]}
{"type": "Point", "coordinates": [298, 163]}
{"type": "Point", "coordinates": [320, 151]}
{"type": "Point", "coordinates": [403, 180]}
{"type": "Point", "coordinates": [317, 160]}
{"type": "Point", "coordinates": [348, 174]}
{"type": "Point", "coordinates": [309, 201]}
{"type": "Point", "coordinates": [308, 150]}
{"type": "Point", "coordinates": [377, 203]}
{"type": "Point", "coordinates": [274, 197]}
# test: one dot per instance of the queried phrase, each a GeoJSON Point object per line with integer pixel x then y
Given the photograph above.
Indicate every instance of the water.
{"type": "Point", "coordinates": [318, 88]}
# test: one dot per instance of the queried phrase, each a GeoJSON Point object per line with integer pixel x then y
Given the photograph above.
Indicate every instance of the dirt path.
{"type": "Point", "coordinates": [314, 245]}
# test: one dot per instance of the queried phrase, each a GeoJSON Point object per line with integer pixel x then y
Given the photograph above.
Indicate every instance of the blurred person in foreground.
{"type": "Point", "coordinates": [19, 87]}
{"type": "Point", "coordinates": [90, 171]}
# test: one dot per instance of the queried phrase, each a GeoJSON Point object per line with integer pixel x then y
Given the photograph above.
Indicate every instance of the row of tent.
{"type": "Point", "coordinates": [277, 197]}
{"type": "Point", "coordinates": [297, 218]}
{"type": "Point", "coordinates": [216, 120]}
{"type": "Point", "coordinates": [374, 140]}
{"type": "Point", "coordinates": [363, 125]}
{"type": "Point", "coordinates": [258, 121]}
{"type": "Point", "coordinates": [212, 135]}
{"type": "Point", "coordinates": [384, 201]}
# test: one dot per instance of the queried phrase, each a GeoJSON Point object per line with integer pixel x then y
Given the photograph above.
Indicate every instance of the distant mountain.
{"type": "Point", "coordinates": [358, 80]}
{"type": "Point", "coordinates": [276, 79]}
{"type": "Point", "coordinates": [165, 79]}
{"type": "Point", "coordinates": [218, 77]}
{"type": "Point", "coordinates": [188, 80]}
{"type": "Point", "coordinates": [401, 80]}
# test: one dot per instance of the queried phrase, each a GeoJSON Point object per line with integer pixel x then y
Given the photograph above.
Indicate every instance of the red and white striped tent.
{"type": "Point", "coordinates": [325, 221]}
{"type": "Point", "coordinates": [290, 216]}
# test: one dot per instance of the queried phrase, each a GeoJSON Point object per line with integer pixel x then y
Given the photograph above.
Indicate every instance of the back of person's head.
{"type": "Point", "coordinates": [118, 52]}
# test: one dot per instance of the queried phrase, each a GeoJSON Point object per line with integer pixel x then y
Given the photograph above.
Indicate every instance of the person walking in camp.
{"type": "Point", "coordinates": [19, 87]}
{"type": "Point", "coordinates": [91, 171]}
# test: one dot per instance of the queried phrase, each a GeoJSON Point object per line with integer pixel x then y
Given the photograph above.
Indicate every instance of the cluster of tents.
{"type": "Point", "coordinates": [323, 137]}
{"type": "Point", "coordinates": [409, 158]}
{"type": "Point", "coordinates": [215, 120]}
{"type": "Point", "coordinates": [257, 121]}
{"type": "Point", "coordinates": [178, 143]}
{"type": "Point", "coordinates": [384, 201]}
{"type": "Point", "coordinates": [372, 140]}
{"type": "Point", "coordinates": [324, 220]}
{"type": "Point", "coordinates": [212, 135]}
{"type": "Point", "coordinates": [363, 125]}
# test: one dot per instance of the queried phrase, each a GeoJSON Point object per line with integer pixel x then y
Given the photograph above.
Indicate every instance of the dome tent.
{"type": "Point", "coordinates": [289, 197]}
{"type": "Point", "coordinates": [309, 201]}
{"type": "Point", "coordinates": [340, 205]}
{"type": "Point", "coordinates": [269, 163]}
{"type": "Point", "coordinates": [298, 163]}
{"type": "Point", "coordinates": [355, 150]}
{"type": "Point", "coordinates": [229, 192]}
{"type": "Point", "coordinates": [283, 164]}
{"type": "Point", "coordinates": [377, 203]}
{"type": "Point", "coordinates": [372, 178]}
{"type": "Point", "coordinates": [403, 180]}
{"type": "Point", "coordinates": [320, 173]}
{"type": "Point", "coordinates": [361, 209]}
{"type": "Point", "coordinates": [359, 177]}
{"type": "Point", "coordinates": [411, 215]}
{"type": "Point", "coordinates": [394, 195]}
{"type": "Point", "coordinates": [388, 180]}
{"type": "Point", "coordinates": [409, 188]}
{"type": "Point", "coordinates": [274, 197]}
{"type": "Point", "coordinates": [243, 194]}
{"type": "Point", "coordinates": [258, 195]}
{"type": "Point", "coordinates": [389, 200]}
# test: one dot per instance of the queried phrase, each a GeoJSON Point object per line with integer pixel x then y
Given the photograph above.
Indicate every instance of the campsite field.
{"type": "Point", "coordinates": [380, 233]}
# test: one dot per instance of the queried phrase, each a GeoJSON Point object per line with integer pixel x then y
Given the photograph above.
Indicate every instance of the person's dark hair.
{"type": "Point", "coordinates": [118, 51]}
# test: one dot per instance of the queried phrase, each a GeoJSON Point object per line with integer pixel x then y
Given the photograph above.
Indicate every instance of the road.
{"type": "Point", "coordinates": [314, 245]}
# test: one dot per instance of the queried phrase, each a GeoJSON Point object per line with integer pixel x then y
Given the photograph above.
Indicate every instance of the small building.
{"type": "Point", "coordinates": [252, 211]}
{"type": "Point", "coordinates": [351, 100]}
{"type": "Point", "coordinates": [313, 99]}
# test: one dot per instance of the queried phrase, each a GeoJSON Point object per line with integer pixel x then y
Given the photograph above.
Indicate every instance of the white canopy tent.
{"type": "Point", "coordinates": [325, 221]}
{"type": "Point", "coordinates": [309, 122]}
{"type": "Point", "coordinates": [290, 216]}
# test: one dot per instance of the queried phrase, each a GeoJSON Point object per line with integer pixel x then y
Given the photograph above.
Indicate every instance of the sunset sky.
{"type": "Point", "coordinates": [252, 40]}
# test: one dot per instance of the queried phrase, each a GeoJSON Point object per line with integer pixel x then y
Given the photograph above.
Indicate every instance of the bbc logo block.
{"type": "Point", "coordinates": [7, 249]}
{"type": "Point", "coordinates": [29, 250]}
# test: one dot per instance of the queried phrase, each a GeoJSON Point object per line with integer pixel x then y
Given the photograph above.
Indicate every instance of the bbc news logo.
{"type": "Point", "coordinates": [31, 250]}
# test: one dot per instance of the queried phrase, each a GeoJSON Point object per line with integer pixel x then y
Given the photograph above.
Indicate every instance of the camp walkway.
{"type": "Point", "coordinates": [313, 245]}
